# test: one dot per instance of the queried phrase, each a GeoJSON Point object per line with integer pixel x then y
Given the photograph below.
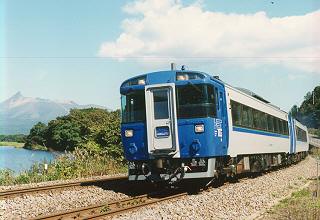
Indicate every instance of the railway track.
{"type": "Point", "coordinates": [18, 192]}
{"type": "Point", "coordinates": [112, 208]}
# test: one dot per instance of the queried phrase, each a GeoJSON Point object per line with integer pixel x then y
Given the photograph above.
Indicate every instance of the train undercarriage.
{"type": "Point", "coordinates": [172, 171]}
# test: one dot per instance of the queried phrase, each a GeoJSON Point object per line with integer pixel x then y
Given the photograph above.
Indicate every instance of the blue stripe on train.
{"type": "Point", "coordinates": [252, 131]}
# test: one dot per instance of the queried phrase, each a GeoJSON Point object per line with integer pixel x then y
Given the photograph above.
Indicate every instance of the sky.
{"type": "Point", "coordinates": [83, 50]}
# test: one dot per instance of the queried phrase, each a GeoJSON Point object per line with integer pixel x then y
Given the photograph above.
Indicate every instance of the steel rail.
{"type": "Point", "coordinates": [16, 192]}
{"type": "Point", "coordinates": [111, 208]}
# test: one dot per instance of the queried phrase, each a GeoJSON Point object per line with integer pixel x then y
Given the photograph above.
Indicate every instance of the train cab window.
{"type": "Point", "coordinates": [133, 107]}
{"type": "Point", "coordinates": [196, 96]}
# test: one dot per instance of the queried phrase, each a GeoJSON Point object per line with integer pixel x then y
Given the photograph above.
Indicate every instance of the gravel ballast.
{"type": "Point", "coordinates": [231, 201]}
{"type": "Point", "coordinates": [242, 200]}
{"type": "Point", "coordinates": [50, 183]}
{"type": "Point", "coordinates": [46, 202]}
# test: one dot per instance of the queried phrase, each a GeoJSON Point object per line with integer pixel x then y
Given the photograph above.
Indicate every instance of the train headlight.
{"type": "Point", "coordinates": [199, 128]}
{"type": "Point", "coordinates": [141, 82]}
{"type": "Point", "coordinates": [128, 133]}
{"type": "Point", "coordinates": [182, 76]}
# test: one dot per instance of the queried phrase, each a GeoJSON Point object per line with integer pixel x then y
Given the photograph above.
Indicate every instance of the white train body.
{"type": "Point", "coordinates": [246, 140]}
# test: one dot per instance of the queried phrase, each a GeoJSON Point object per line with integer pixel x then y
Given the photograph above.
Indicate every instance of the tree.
{"type": "Point", "coordinates": [63, 135]}
{"type": "Point", "coordinates": [309, 111]}
{"type": "Point", "coordinates": [37, 135]}
{"type": "Point", "coordinates": [110, 136]}
{"type": "Point", "coordinates": [294, 111]}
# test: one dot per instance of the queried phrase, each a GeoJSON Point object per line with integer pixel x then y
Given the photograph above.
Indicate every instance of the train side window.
{"type": "Point", "coordinates": [276, 125]}
{"type": "Point", "coordinates": [264, 121]}
{"type": "Point", "coordinates": [245, 116]}
{"type": "Point", "coordinates": [298, 134]}
{"type": "Point", "coordinates": [304, 136]}
{"type": "Point", "coordinates": [255, 119]}
{"type": "Point", "coordinates": [301, 134]}
{"type": "Point", "coordinates": [270, 123]}
{"type": "Point", "coordinates": [285, 126]}
{"type": "Point", "coordinates": [217, 98]}
{"type": "Point", "coordinates": [250, 115]}
{"type": "Point", "coordinates": [280, 126]}
{"type": "Point", "coordinates": [236, 113]}
{"type": "Point", "coordinates": [211, 110]}
{"type": "Point", "coordinates": [220, 98]}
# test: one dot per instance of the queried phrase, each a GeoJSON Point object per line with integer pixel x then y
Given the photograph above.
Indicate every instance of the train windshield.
{"type": "Point", "coordinates": [196, 101]}
{"type": "Point", "coordinates": [133, 107]}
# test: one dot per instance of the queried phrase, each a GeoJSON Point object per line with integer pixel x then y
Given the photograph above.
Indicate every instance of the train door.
{"type": "Point", "coordinates": [292, 133]}
{"type": "Point", "coordinates": [162, 130]}
{"type": "Point", "coordinates": [221, 120]}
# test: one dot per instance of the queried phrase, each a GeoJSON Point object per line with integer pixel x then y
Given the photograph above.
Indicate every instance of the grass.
{"type": "Point", "coordinates": [315, 152]}
{"type": "Point", "coordinates": [79, 163]}
{"type": "Point", "coordinates": [301, 205]}
{"type": "Point", "coordinates": [13, 144]}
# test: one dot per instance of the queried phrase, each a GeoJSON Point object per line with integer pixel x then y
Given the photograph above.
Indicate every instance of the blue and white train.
{"type": "Point", "coordinates": [182, 124]}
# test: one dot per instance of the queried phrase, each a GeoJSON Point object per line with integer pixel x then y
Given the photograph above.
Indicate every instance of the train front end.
{"type": "Point", "coordinates": [171, 127]}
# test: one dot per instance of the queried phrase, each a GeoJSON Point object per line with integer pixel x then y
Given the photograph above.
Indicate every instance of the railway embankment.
{"type": "Point", "coordinates": [243, 199]}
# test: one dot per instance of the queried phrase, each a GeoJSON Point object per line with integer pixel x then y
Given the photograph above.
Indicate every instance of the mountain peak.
{"type": "Point", "coordinates": [13, 101]}
{"type": "Point", "coordinates": [17, 95]}
{"type": "Point", "coordinates": [19, 113]}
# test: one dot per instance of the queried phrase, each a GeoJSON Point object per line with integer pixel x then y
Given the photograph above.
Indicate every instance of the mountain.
{"type": "Point", "coordinates": [19, 113]}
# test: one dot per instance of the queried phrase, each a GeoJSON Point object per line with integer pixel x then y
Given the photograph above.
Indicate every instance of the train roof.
{"type": "Point", "coordinates": [254, 96]}
{"type": "Point", "coordinates": [169, 76]}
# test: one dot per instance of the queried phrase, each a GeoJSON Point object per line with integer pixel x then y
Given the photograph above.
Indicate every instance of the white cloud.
{"type": "Point", "coordinates": [169, 30]}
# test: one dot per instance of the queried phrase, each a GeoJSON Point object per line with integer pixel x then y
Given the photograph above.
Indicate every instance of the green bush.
{"type": "Point", "coordinates": [93, 129]}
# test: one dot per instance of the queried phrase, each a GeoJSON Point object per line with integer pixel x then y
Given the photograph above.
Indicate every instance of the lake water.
{"type": "Point", "coordinates": [19, 159]}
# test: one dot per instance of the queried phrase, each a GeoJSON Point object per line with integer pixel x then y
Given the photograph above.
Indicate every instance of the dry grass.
{"type": "Point", "coordinates": [13, 144]}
